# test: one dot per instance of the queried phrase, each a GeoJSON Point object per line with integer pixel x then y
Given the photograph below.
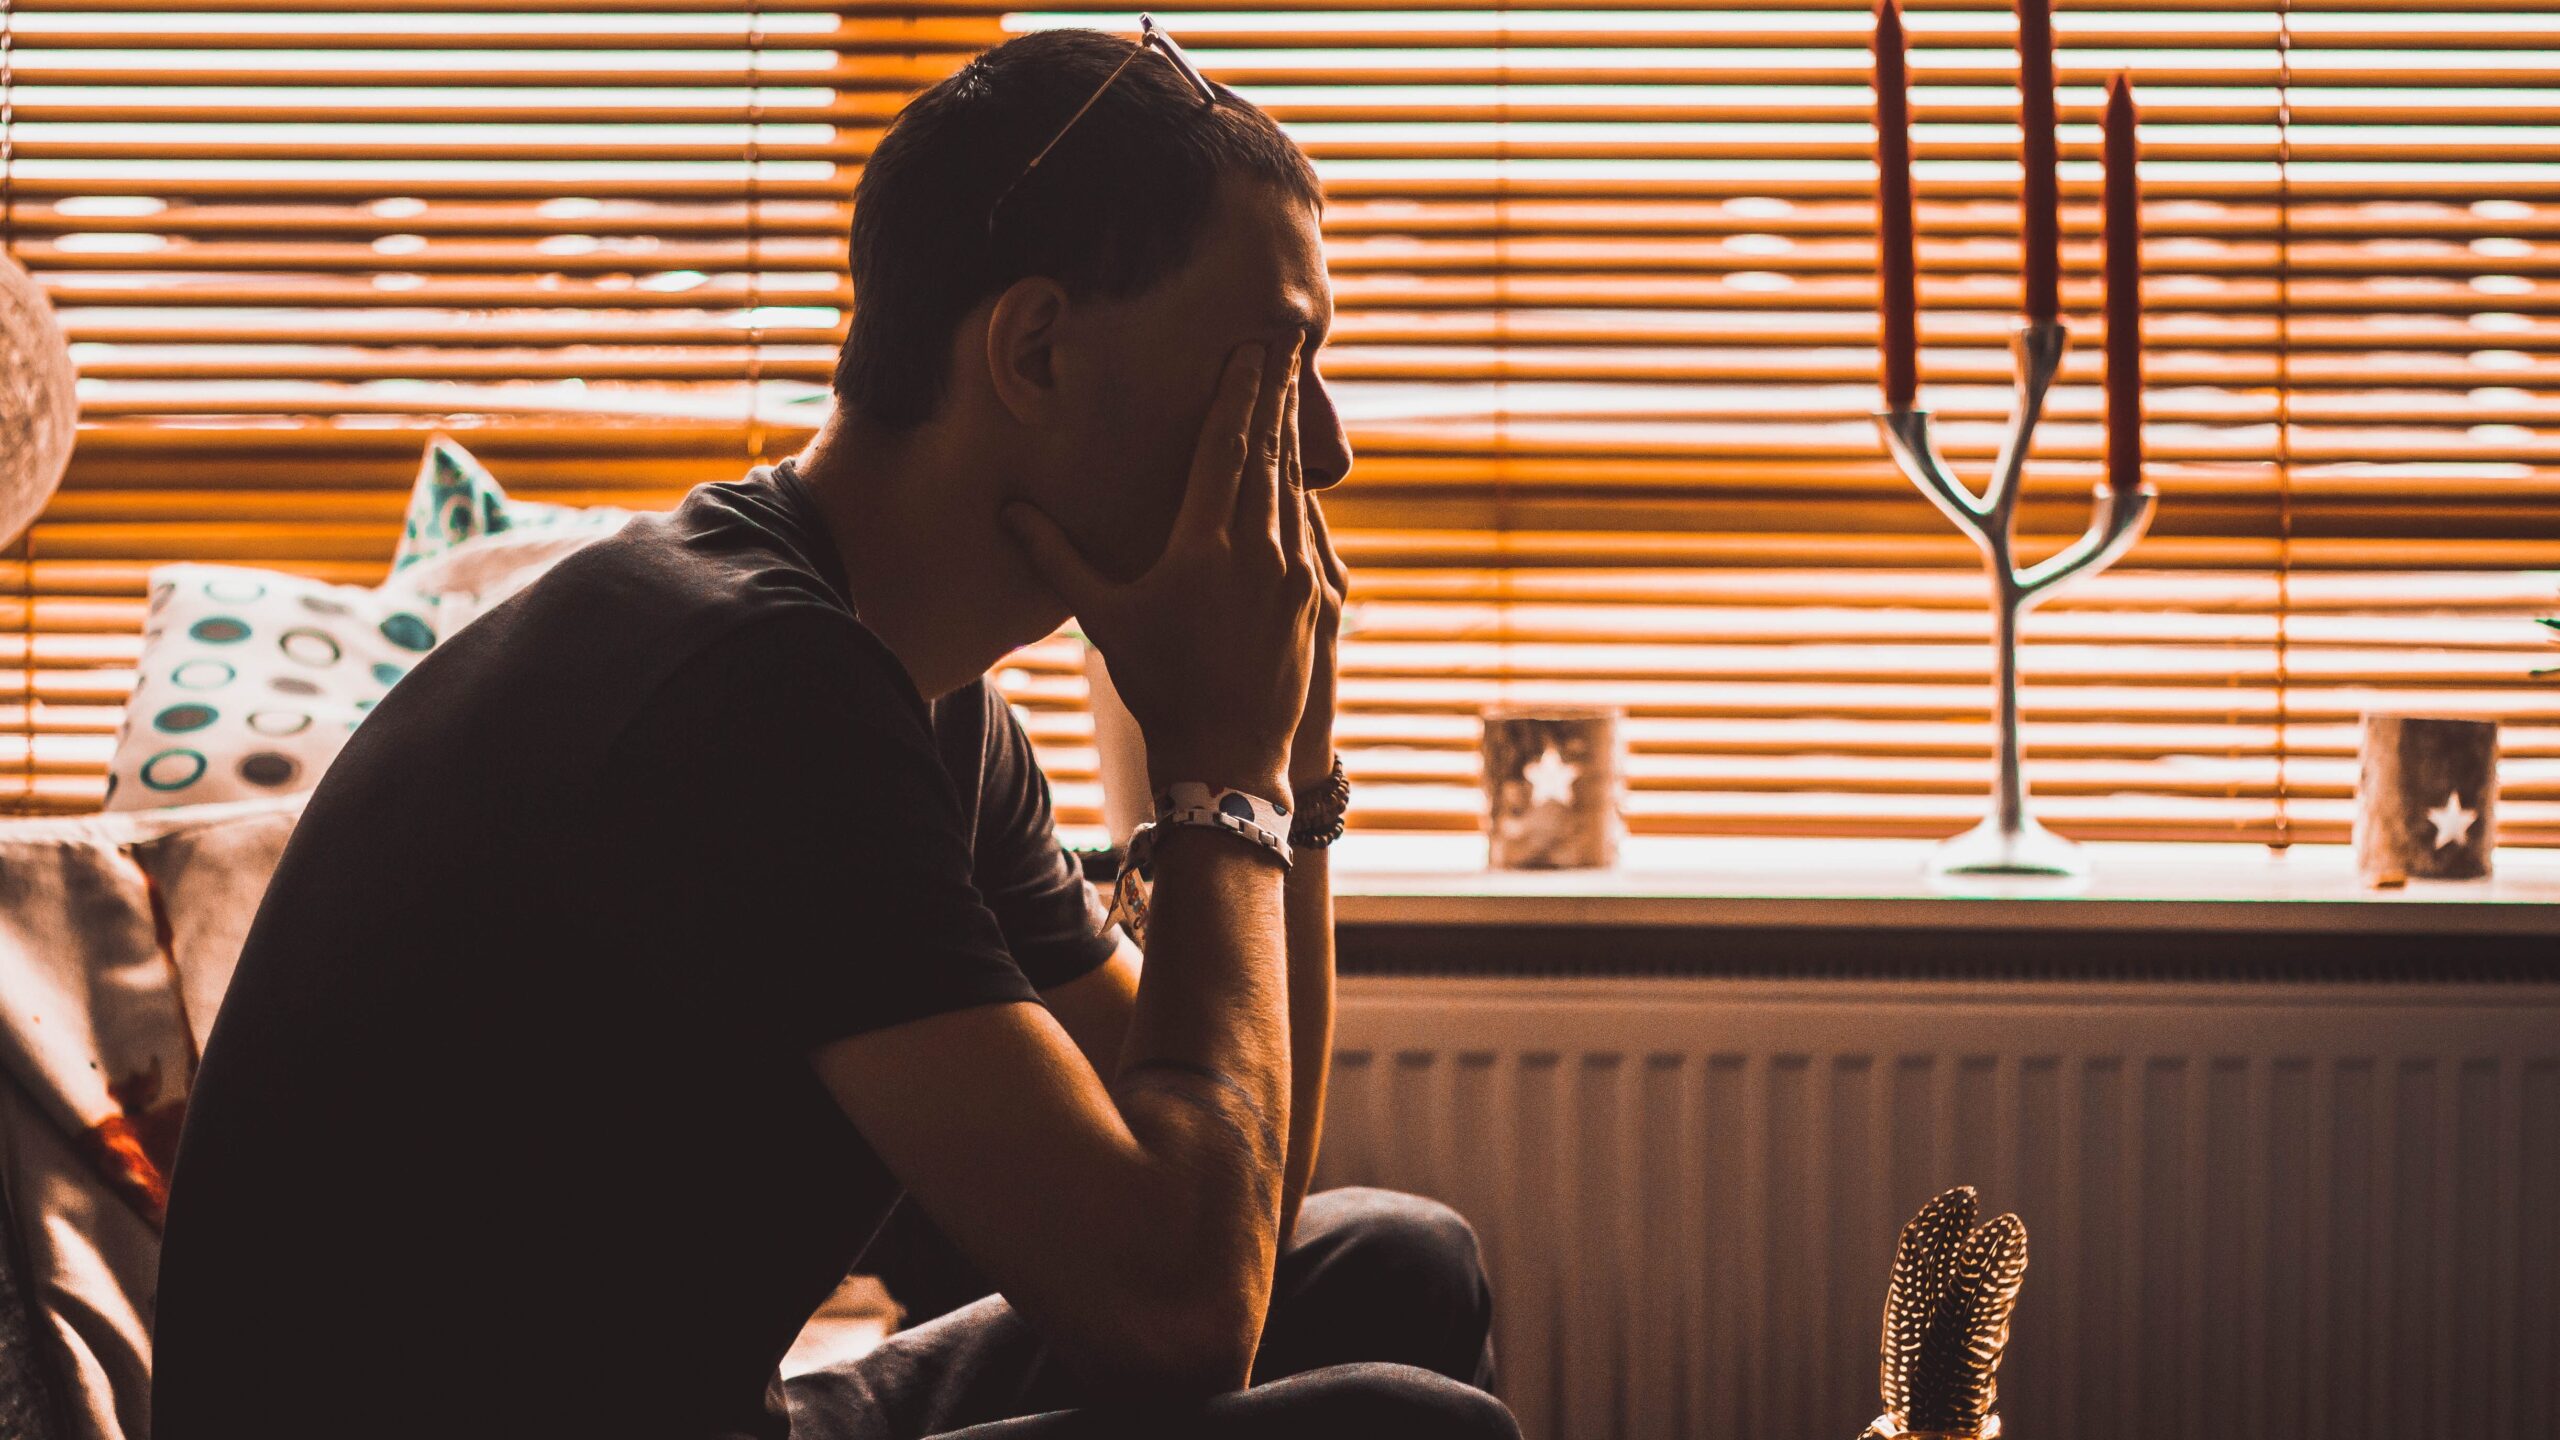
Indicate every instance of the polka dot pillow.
{"type": "Point", "coordinates": [251, 680]}
{"type": "Point", "coordinates": [457, 502]}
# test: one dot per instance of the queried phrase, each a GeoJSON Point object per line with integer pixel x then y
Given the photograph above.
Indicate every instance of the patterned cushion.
{"type": "Point", "coordinates": [469, 545]}
{"type": "Point", "coordinates": [251, 680]}
{"type": "Point", "coordinates": [457, 501]}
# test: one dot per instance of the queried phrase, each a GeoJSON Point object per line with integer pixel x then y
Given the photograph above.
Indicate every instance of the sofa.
{"type": "Point", "coordinates": [118, 934]}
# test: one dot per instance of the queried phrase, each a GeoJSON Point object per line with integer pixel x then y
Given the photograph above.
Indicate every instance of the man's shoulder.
{"type": "Point", "coordinates": [766, 666]}
{"type": "Point", "coordinates": [544, 684]}
{"type": "Point", "coordinates": [623, 616]}
{"type": "Point", "coordinates": [726, 554]}
{"type": "Point", "coordinates": [784, 653]}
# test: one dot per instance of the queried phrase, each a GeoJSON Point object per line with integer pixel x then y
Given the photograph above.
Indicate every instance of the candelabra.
{"type": "Point", "coordinates": [2009, 841]}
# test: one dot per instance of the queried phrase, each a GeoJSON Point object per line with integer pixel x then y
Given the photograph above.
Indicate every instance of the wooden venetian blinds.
{"type": "Point", "coordinates": [1605, 276]}
{"type": "Point", "coordinates": [600, 241]}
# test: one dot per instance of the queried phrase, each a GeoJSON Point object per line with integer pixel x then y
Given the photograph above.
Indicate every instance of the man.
{"type": "Point", "coordinates": [666, 925]}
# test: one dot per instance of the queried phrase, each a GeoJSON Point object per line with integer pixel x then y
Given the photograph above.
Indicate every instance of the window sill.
{"type": "Point", "coordinates": [1816, 884]}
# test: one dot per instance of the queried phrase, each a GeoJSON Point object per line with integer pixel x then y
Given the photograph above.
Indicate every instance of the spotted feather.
{"type": "Point", "coordinates": [1954, 1379]}
{"type": "Point", "coordinates": [1922, 1261]}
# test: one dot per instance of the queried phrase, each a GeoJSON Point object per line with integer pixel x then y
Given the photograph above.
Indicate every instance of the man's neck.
{"type": "Point", "coordinates": [925, 573]}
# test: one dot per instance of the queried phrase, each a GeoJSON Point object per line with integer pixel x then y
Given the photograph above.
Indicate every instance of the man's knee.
{"type": "Point", "coordinates": [1400, 1400]}
{"type": "Point", "coordinates": [1400, 1239]}
{"type": "Point", "coordinates": [1380, 1275]}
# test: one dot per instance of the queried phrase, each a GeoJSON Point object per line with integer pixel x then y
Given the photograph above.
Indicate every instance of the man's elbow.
{"type": "Point", "coordinates": [1158, 1351]}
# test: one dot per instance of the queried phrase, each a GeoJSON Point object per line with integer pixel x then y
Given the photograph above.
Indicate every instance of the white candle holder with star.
{"type": "Point", "coordinates": [1552, 782]}
{"type": "Point", "coordinates": [2426, 798]}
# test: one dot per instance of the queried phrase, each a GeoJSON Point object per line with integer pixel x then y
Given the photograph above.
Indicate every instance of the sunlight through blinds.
{"type": "Point", "coordinates": [600, 243]}
{"type": "Point", "coordinates": [1606, 276]}
{"type": "Point", "coordinates": [1606, 287]}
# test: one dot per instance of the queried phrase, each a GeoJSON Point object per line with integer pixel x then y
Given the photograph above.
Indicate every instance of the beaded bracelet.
{"type": "Point", "coordinates": [1320, 821]}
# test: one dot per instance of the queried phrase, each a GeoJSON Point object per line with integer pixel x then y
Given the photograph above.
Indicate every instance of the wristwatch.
{"type": "Point", "coordinates": [1190, 804]}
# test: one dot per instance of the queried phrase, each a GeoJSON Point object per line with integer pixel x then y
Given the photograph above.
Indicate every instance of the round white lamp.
{"type": "Point", "coordinates": [39, 401]}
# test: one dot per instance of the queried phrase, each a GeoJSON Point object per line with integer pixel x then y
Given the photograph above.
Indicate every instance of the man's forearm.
{"type": "Point", "coordinates": [1308, 902]}
{"type": "Point", "coordinates": [1203, 1081]}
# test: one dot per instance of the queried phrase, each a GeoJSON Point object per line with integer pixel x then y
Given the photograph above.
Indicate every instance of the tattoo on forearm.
{"type": "Point", "coordinates": [1156, 1074]}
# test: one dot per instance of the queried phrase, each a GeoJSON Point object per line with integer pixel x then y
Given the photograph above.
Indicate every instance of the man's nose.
{"type": "Point", "coordinates": [1324, 447]}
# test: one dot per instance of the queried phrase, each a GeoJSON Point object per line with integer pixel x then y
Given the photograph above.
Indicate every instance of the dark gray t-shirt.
{"type": "Point", "coordinates": [507, 1124]}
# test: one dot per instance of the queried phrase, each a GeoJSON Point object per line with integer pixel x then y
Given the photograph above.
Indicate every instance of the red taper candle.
{"type": "Point", "coordinates": [2124, 293]}
{"type": "Point", "coordinates": [2040, 197]}
{"type": "Point", "coordinates": [1897, 281]}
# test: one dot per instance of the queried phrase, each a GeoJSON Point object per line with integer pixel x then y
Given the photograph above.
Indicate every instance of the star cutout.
{"type": "Point", "coordinates": [1551, 778]}
{"type": "Point", "coordinates": [2452, 822]}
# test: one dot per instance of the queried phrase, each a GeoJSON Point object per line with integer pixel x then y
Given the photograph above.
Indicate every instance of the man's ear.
{"type": "Point", "coordinates": [1022, 339]}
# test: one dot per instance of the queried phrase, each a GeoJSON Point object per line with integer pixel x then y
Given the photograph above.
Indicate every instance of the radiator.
{"type": "Point", "coordinates": [2322, 1211]}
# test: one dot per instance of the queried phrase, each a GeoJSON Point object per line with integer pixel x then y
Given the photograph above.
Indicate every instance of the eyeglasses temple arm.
{"type": "Point", "coordinates": [1150, 33]}
{"type": "Point", "coordinates": [1092, 101]}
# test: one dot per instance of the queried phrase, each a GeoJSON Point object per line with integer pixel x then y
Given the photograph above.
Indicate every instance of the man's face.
{"type": "Point", "coordinates": [1150, 366]}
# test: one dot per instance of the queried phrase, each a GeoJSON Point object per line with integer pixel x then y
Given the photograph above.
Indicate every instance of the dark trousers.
{"type": "Point", "coordinates": [1381, 1323]}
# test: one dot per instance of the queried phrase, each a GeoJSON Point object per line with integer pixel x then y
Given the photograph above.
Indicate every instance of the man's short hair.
{"type": "Point", "coordinates": [1119, 205]}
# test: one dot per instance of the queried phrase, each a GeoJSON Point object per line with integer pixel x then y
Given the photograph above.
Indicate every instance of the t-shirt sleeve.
{"type": "Point", "coordinates": [797, 842]}
{"type": "Point", "coordinates": [1055, 924]}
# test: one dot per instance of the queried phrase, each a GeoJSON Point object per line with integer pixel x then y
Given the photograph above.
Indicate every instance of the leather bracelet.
{"type": "Point", "coordinates": [1320, 821]}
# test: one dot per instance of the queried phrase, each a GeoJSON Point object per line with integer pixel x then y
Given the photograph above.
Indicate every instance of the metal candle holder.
{"type": "Point", "coordinates": [2009, 841]}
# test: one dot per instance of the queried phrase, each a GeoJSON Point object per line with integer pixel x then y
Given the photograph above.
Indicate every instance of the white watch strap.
{"type": "Point", "coordinates": [1246, 816]}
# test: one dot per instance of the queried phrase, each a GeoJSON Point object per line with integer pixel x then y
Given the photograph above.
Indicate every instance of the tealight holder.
{"type": "Point", "coordinates": [1552, 784]}
{"type": "Point", "coordinates": [2009, 841]}
{"type": "Point", "coordinates": [2426, 798]}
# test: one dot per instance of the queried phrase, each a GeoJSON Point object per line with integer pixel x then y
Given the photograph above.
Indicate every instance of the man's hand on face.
{"type": "Point", "coordinates": [1211, 648]}
{"type": "Point", "coordinates": [1311, 749]}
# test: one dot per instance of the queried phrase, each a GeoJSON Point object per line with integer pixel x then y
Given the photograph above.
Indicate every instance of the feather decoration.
{"type": "Point", "coordinates": [1946, 1319]}
{"type": "Point", "coordinates": [1954, 1380]}
{"type": "Point", "coordinates": [1922, 1260]}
